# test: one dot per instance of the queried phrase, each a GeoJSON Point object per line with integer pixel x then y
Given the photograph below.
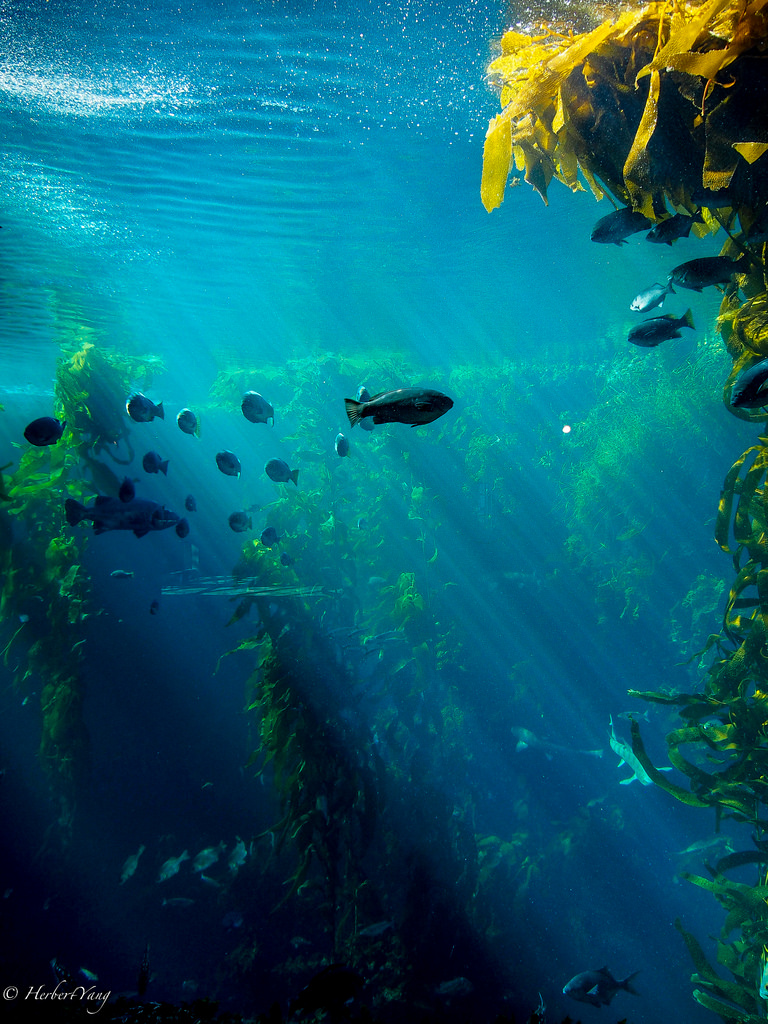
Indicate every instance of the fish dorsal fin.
{"type": "Point", "coordinates": [102, 498]}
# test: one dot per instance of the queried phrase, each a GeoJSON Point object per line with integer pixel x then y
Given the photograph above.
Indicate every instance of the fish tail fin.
{"type": "Point", "coordinates": [75, 512]}
{"type": "Point", "coordinates": [160, 411]}
{"type": "Point", "coordinates": [353, 410]}
{"type": "Point", "coordinates": [688, 320]}
{"type": "Point", "coordinates": [163, 467]}
{"type": "Point", "coordinates": [294, 475]}
{"type": "Point", "coordinates": [627, 986]}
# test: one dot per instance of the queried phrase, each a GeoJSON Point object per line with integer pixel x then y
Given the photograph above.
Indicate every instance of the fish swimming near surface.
{"type": "Point", "coordinates": [190, 504]}
{"type": "Point", "coordinates": [749, 390]}
{"type": "Point", "coordinates": [127, 490]}
{"type": "Point", "coordinates": [706, 271]}
{"type": "Point", "coordinates": [142, 410]}
{"type": "Point", "coordinates": [651, 297]}
{"type": "Point", "coordinates": [651, 333]}
{"type": "Point", "coordinates": [341, 444]}
{"type": "Point", "coordinates": [279, 471]}
{"type": "Point", "coordinates": [153, 463]}
{"type": "Point", "coordinates": [527, 740]}
{"type": "Point", "coordinates": [597, 987]}
{"type": "Point", "coordinates": [171, 866]}
{"type": "Point", "coordinates": [416, 406]}
{"type": "Point", "coordinates": [256, 408]}
{"type": "Point", "coordinates": [240, 522]}
{"type": "Point", "coordinates": [188, 422]}
{"type": "Point", "coordinates": [228, 463]}
{"type": "Point", "coordinates": [677, 226]}
{"type": "Point", "coordinates": [615, 227]}
{"type": "Point", "coordinates": [44, 431]}
{"type": "Point", "coordinates": [130, 865]}
{"type": "Point", "coordinates": [138, 515]}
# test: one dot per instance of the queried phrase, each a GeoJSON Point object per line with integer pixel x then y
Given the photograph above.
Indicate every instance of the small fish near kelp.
{"type": "Point", "coordinates": [240, 522]}
{"type": "Point", "coordinates": [415, 406]}
{"type": "Point", "coordinates": [677, 226]}
{"type": "Point", "coordinates": [44, 431]}
{"type": "Point", "coordinates": [615, 227]}
{"type": "Point", "coordinates": [707, 271]}
{"type": "Point", "coordinates": [256, 408]}
{"type": "Point", "coordinates": [652, 332]}
{"type": "Point", "coordinates": [651, 297]}
{"type": "Point", "coordinates": [597, 987]}
{"type": "Point", "coordinates": [154, 463]}
{"type": "Point", "coordinates": [280, 472]}
{"type": "Point", "coordinates": [749, 390]}
{"type": "Point", "coordinates": [142, 410]}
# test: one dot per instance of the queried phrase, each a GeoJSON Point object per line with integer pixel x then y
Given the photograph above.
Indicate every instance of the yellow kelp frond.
{"type": "Point", "coordinates": [656, 103]}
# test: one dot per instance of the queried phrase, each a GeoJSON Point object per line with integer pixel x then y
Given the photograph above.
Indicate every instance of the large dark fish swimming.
{"type": "Point", "coordinates": [188, 422]}
{"type": "Point", "coordinates": [279, 471]}
{"type": "Point", "coordinates": [228, 463]}
{"type": "Point", "coordinates": [406, 405]}
{"type": "Point", "coordinates": [678, 226]}
{"type": "Point", "coordinates": [706, 271]}
{"type": "Point", "coordinates": [138, 515]}
{"type": "Point", "coordinates": [616, 226]}
{"type": "Point", "coordinates": [256, 408]}
{"type": "Point", "coordinates": [651, 333]}
{"type": "Point", "coordinates": [748, 391]}
{"type": "Point", "coordinates": [142, 410]}
{"type": "Point", "coordinates": [44, 431]}
{"type": "Point", "coordinates": [597, 987]}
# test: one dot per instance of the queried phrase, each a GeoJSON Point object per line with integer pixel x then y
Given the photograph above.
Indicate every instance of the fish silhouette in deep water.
{"type": "Point", "coordinates": [406, 405]}
{"type": "Point", "coordinates": [188, 422]}
{"type": "Point", "coordinates": [651, 333]}
{"type": "Point", "coordinates": [256, 408]}
{"type": "Point", "coordinates": [341, 444]}
{"type": "Point", "coordinates": [678, 226]}
{"type": "Point", "coordinates": [240, 522]}
{"type": "Point", "coordinates": [153, 463]}
{"type": "Point", "coordinates": [749, 391]}
{"type": "Point", "coordinates": [228, 463]}
{"type": "Point", "coordinates": [130, 865]}
{"type": "Point", "coordinates": [527, 740]}
{"type": "Point", "coordinates": [706, 271]}
{"type": "Point", "coordinates": [171, 866]}
{"type": "Point", "coordinates": [615, 227]}
{"type": "Point", "coordinates": [651, 297]}
{"type": "Point", "coordinates": [190, 504]}
{"type": "Point", "coordinates": [597, 987]}
{"type": "Point", "coordinates": [269, 537]}
{"type": "Point", "coordinates": [44, 431]}
{"type": "Point", "coordinates": [182, 528]}
{"type": "Point", "coordinates": [138, 515]}
{"type": "Point", "coordinates": [142, 410]}
{"type": "Point", "coordinates": [279, 471]}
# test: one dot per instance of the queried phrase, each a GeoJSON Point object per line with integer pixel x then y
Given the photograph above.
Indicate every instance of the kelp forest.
{"type": "Point", "coordinates": [665, 110]}
{"type": "Point", "coordinates": [363, 678]}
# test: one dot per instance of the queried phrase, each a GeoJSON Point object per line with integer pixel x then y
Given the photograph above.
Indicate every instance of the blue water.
{"type": "Point", "coordinates": [230, 186]}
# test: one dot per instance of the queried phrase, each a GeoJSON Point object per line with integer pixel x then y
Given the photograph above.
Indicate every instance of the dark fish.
{"type": "Point", "coordinates": [455, 987]}
{"type": "Point", "coordinates": [182, 528]}
{"type": "Point", "coordinates": [143, 979]}
{"type": "Point", "coordinates": [373, 931]}
{"type": "Point", "coordinates": [269, 537]}
{"type": "Point", "coordinates": [597, 987]}
{"type": "Point", "coordinates": [228, 463]}
{"type": "Point", "coordinates": [257, 409]}
{"type": "Point", "coordinates": [279, 471]}
{"type": "Point", "coordinates": [139, 515]}
{"type": "Point", "coordinates": [651, 297]}
{"type": "Point", "coordinates": [669, 230]}
{"type": "Point", "coordinates": [154, 608]}
{"type": "Point", "coordinates": [122, 574]}
{"type": "Point", "coordinates": [285, 559]}
{"type": "Point", "coordinates": [659, 328]}
{"type": "Point", "coordinates": [127, 490]}
{"type": "Point", "coordinates": [364, 395]}
{"type": "Point", "coordinates": [341, 444]}
{"type": "Point", "coordinates": [190, 504]}
{"type": "Point", "coordinates": [616, 226]}
{"type": "Point", "coordinates": [748, 391]}
{"type": "Point", "coordinates": [713, 199]}
{"type": "Point", "coordinates": [43, 431]}
{"type": "Point", "coordinates": [406, 405]}
{"type": "Point", "coordinates": [707, 270]}
{"type": "Point", "coordinates": [240, 522]}
{"type": "Point", "coordinates": [188, 422]}
{"type": "Point", "coordinates": [142, 410]}
{"type": "Point", "coordinates": [153, 463]}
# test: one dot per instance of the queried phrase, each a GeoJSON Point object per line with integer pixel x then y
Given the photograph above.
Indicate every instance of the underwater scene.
{"type": "Point", "coordinates": [383, 511]}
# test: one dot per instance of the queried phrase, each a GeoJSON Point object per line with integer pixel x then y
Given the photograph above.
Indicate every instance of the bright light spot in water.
{"type": "Point", "coordinates": [566, 429]}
